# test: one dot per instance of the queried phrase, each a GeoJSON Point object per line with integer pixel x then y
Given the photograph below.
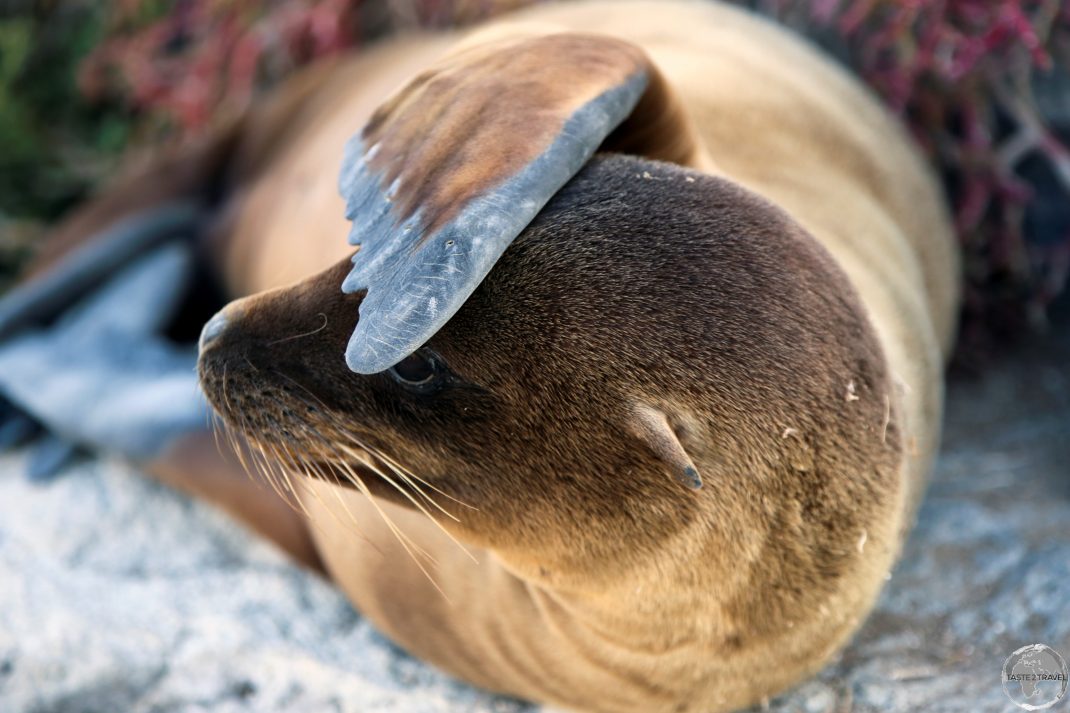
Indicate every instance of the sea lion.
{"type": "Point", "coordinates": [663, 455]}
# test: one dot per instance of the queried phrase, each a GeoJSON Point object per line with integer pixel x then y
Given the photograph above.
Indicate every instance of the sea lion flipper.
{"type": "Point", "coordinates": [449, 171]}
{"type": "Point", "coordinates": [101, 375]}
{"type": "Point", "coordinates": [77, 272]}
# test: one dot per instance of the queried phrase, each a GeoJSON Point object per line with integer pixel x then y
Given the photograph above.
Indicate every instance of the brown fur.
{"type": "Point", "coordinates": [532, 432]}
{"type": "Point", "coordinates": [787, 316]}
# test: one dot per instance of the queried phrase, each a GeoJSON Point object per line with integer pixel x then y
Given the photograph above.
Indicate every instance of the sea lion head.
{"type": "Point", "coordinates": [650, 319]}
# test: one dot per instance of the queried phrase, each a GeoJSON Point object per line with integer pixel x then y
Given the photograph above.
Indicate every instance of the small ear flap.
{"type": "Point", "coordinates": [450, 170]}
{"type": "Point", "coordinates": [652, 426]}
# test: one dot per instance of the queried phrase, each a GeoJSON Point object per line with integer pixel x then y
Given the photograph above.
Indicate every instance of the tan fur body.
{"type": "Point", "coordinates": [770, 115]}
{"type": "Point", "coordinates": [774, 117]}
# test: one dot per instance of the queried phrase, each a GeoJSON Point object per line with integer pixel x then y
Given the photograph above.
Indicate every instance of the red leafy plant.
{"type": "Point", "coordinates": [983, 84]}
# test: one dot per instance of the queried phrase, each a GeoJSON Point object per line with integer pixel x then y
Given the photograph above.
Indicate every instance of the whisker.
{"type": "Point", "coordinates": [226, 399]}
{"type": "Point", "coordinates": [284, 466]}
{"type": "Point", "coordinates": [354, 520]}
{"type": "Point", "coordinates": [259, 460]}
{"type": "Point", "coordinates": [213, 425]}
{"type": "Point", "coordinates": [373, 453]}
{"type": "Point", "coordinates": [402, 538]}
{"type": "Point", "coordinates": [311, 470]}
{"type": "Point", "coordinates": [408, 496]}
{"type": "Point", "coordinates": [416, 488]}
{"type": "Point", "coordinates": [303, 334]}
{"type": "Point", "coordinates": [278, 463]}
{"type": "Point", "coordinates": [394, 464]}
{"type": "Point", "coordinates": [351, 472]}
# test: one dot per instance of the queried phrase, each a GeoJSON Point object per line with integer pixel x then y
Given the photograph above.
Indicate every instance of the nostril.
{"type": "Point", "coordinates": [212, 329]}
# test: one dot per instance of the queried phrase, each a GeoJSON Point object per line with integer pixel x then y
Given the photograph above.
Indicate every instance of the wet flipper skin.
{"type": "Point", "coordinates": [449, 171]}
{"type": "Point", "coordinates": [101, 375]}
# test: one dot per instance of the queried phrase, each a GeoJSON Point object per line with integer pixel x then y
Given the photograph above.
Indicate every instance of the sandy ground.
{"type": "Point", "coordinates": [118, 595]}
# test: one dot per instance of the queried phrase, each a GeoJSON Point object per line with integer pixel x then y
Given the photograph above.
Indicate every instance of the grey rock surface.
{"type": "Point", "coordinates": [117, 595]}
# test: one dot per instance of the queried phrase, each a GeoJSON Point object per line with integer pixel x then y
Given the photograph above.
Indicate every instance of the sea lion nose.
{"type": "Point", "coordinates": [212, 329]}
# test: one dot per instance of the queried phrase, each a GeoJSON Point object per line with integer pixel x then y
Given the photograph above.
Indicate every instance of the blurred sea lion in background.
{"type": "Point", "coordinates": [660, 450]}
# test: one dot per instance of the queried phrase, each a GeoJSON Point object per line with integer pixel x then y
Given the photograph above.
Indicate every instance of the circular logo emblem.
{"type": "Point", "coordinates": [1035, 677]}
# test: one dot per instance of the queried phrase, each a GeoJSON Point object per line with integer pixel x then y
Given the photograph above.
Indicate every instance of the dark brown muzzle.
{"type": "Point", "coordinates": [292, 339]}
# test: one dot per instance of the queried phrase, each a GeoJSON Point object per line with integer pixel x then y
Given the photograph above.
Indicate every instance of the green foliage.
{"type": "Point", "coordinates": [56, 144]}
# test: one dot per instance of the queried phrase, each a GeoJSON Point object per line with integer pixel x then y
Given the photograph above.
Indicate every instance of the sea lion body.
{"type": "Point", "coordinates": [817, 303]}
{"type": "Point", "coordinates": [775, 116]}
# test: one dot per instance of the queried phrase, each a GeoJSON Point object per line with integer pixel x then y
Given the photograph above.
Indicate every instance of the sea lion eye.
{"type": "Point", "coordinates": [418, 370]}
